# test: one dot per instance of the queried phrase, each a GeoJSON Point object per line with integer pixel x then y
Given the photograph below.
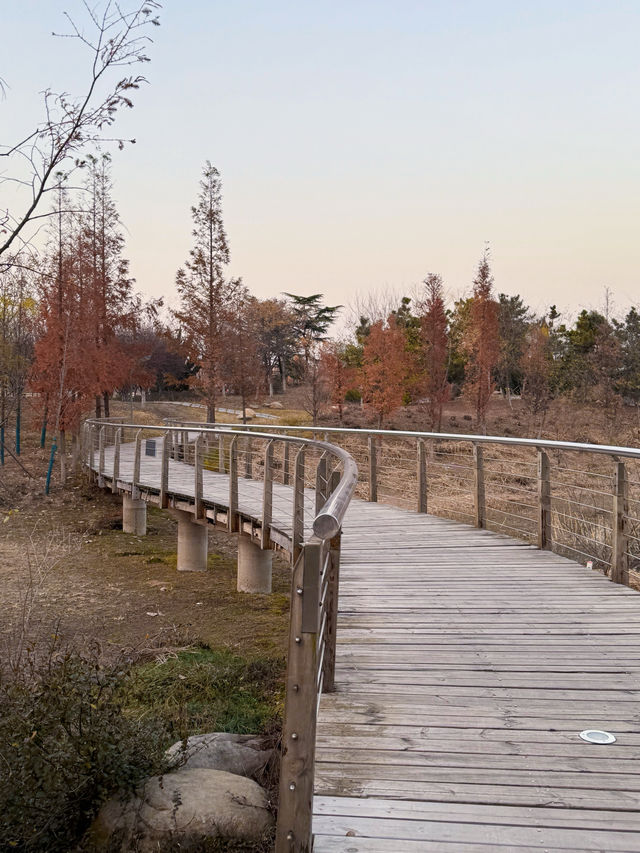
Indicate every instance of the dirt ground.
{"type": "Point", "coordinates": [66, 566]}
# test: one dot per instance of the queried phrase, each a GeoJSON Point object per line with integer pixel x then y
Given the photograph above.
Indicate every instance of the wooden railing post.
{"type": "Point", "coordinates": [116, 461]}
{"type": "Point", "coordinates": [92, 449]}
{"type": "Point", "coordinates": [619, 539]}
{"type": "Point", "coordinates": [101, 457]}
{"type": "Point", "coordinates": [478, 486]}
{"type": "Point", "coordinates": [298, 504]}
{"type": "Point", "coordinates": [421, 463]}
{"type": "Point", "coordinates": [197, 470]}
{"type": "Point", "coordinates": [221, 468]}
{"type": "Point", "coordinates": [286, 474]}
{"type": "Point", "coordinates": [135, 480]}
{"type": "Point", "coordinates": [267, 495]}
{"type": "Point", "coordinates": [321, 482]}
{"type": "Point", "coordinates": [544, 500]}
{"type": "Point", "coordinates": [331, 612]}
{"type": "Point", "coordinates": [164, 471]}
{"type": "Point", "coordinates": [293, 832]}
{"type": "Point", "coordinates": [232, 518]}
{"type": "Point", "coordinates": [373, 470]}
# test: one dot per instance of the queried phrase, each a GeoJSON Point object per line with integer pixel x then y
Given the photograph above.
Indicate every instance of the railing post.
{"type": "Point", "coordinates": [221, 468]}
{"type": "Point", "coordinates": [232, 519]}
{"type": "Point", "coordinates": [286, 475]}
{"type": "Point", "coordinates": [321, 483]}
{"type": "Point", "coordinates": [293, 832]}
{"type": "Point", "coordinates": [619, 540]}
{"type": "Point", "coordinates": [544, 500]}
{"type": "Point", "coordinates": [331, 612]}
{"type": "Point", "coordinates": [478, 486]}
{"type": "Point", "coordinates": [135, 480]}
{"type": "Point", "coordinates": [197, 465]}
{"type": "Point", "coordinates": [373, 470]}
{"type": "Point", "coordinates": [101, 438]}
{"type": "Point", "coordinates": [248, 459]}
{"type": "Point", "coordinates": [298, 503]}
{"type": "Point", "coordinates": [92, 450]}
{"type": "Point", "coordinates": [267, 495]}
{"type": "Point", "coordinates": [116, 461]}
{"type": "Point", "coordinates": [164, 471]}
{"type": "Point", "coordinates": [421, 464]}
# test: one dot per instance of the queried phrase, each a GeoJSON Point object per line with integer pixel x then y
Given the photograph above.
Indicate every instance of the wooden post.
{"type": "Point", "coordinates": [421, 464]}
{"type": "Point", "coordinates": [544, 500]}
{"type": "Point", "coordinates": [298, 504]}
{"type": "Point", "coordinates": [286, 477]}
{"type": "Point", "coordinates": [321, 483]}
{"type": "Point", "coordinates": [101, 457]}
{"type": "Point", "coordinates": [92, 450]}
{"type": "Point", "coordinates": [135, 480]}
{"type": "Point", "coordinates": [197, 467]}
{"type": "Point", "coordinates": [619, 539]}
{"type": "Point", "coordinates": [478, 484]}
{"type": "Point", "coordinates": [267, 495]}
{"type": "Point", "coordinates": [116, 461]}
{"type": "Point", "coordinates": [221, 468]}
{"type": "Point", "coordinates": [331, 613]}
{"type": "Point", "coordinates": [373, 470]}
{"type": "Point", "coordinates": [164, 471]}
{"type": "Point", "coordinates": [185, 445]}
{"type": "Point", "coordinates": [232, 518]}
{"type": "Point", "coordinates": [293, 832]}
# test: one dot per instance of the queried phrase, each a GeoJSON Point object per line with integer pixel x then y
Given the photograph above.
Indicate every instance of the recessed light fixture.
{"type": "Point", "coordinates": [597, 736]}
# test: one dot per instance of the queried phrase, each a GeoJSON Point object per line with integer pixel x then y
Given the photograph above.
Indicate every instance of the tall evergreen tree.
{"type": "Point", "coordinates": [205, 295]}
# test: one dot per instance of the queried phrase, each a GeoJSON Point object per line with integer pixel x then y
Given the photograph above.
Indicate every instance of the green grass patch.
{"type": "Point", "coordinates": [205, 690]}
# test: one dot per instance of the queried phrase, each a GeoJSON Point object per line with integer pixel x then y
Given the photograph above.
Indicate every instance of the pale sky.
{"type": "Point", "coordinates": [365, 143]}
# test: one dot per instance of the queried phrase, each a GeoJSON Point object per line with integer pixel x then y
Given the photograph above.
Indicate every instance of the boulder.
{"type": "Point", "coordinates": [276, 406]}
{"type": "Point", "coordinates": [248, 413]}
{"type": "Point", "coordinates": [186, 807]}
{"type": "Point", "coordinates": [244, 755]}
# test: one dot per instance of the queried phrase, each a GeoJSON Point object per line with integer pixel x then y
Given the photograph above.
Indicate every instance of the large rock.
{"type": "Point", "coordinates": [248, 413]}
{"type": "Point", "coordinates": [185, 807]}
{"type": "Point", "coordinates": [276, 405]}
{"type": "Point", "coordinates": [242, 754]}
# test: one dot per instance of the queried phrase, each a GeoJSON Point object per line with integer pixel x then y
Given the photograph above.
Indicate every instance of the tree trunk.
{"type": "Point", "coordinates": [211, 413]}
{"type": "Point", "coordinates": [98, 406]}
{"type": "Point", "coordinates": [106, 404]}
{"type": "Point", "coordinates": [75, 456]}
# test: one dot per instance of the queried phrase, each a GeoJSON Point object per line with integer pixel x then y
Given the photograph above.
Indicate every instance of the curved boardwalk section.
{"type": "Point", "coordinates": [467, 665]}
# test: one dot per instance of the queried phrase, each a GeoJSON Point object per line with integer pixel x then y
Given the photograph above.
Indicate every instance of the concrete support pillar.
{"type": "Point", "coordinates": [254, 567]}
{"type": "Point", "coordinates": [134, 515]}
{"type": "Point", "coordinates": [192, 542]}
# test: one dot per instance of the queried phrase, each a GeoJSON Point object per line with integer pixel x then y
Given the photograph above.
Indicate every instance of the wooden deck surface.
{"type": "Point", "coordinates": [467, 665]}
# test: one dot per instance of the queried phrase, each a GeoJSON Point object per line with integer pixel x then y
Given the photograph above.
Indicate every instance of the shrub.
{"type": "Point", "coordinates": [66, 745]}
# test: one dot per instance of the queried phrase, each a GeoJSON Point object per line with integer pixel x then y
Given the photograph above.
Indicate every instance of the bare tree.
{"type": "Point", "coordinates": [114, 39]}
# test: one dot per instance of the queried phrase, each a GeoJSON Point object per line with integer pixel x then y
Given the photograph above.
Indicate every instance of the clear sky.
{"type": "Point", "coordinates": [365, 143]}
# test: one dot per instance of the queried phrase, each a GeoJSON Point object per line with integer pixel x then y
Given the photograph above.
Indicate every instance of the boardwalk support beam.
{"type": "Point", "coordinates": [134, 515]}
{"type": "Point", "coordinates": [192, 542]}
{"type": "Point", "coordinates": [619, 543]}
{"type": "Point", "coordinates": [544, 501]}
{"type": "Point", "coordinates": [254, 567]}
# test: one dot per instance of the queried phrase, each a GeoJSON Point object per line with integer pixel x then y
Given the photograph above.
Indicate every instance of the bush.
{"type": "Point", "coordinates": [353, 396]}
{"type": "Point", "coordinates": [66, 745]}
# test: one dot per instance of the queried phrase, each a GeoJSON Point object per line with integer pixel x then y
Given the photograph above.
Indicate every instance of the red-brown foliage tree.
{"type": "Point", "coordinates": [341, 377]}
{"type": "Point", "coordinates": [481, 343]}
{"type": "Point", "coordinates": [435, 349]}
{"type": "Point", "coordinates": [384, 368]}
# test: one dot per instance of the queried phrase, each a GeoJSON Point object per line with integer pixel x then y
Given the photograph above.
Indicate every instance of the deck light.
{"type": "Point", "coordinates": [597, 736]}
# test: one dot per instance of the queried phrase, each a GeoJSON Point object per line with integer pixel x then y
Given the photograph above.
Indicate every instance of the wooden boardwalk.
{"type": "Point", "coordinates": [467, 665]}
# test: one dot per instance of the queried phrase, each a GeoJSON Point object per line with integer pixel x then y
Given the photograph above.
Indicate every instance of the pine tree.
{"type": "Point", "coordinates": [205, 294]}
{"type": "Point", "coordinates": [481, 343]}
{"type": "Point", "coordinates": [435, 347]}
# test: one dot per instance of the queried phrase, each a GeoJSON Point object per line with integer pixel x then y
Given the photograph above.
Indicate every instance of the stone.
{"type": "Point", "coordinates": [244, 755]}
{"type": "Point", "coordinates": [276, 406]}
{"type": "Point", "coordinates": [248, 413]}
{"type": "Point", "coordinates": [186, 807]}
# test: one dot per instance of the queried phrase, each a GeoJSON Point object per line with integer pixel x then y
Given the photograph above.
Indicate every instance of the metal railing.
{"type": "Point", "coordinates": [579, 500]}
{"type": "Point", "coordinates": [178, 466]}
